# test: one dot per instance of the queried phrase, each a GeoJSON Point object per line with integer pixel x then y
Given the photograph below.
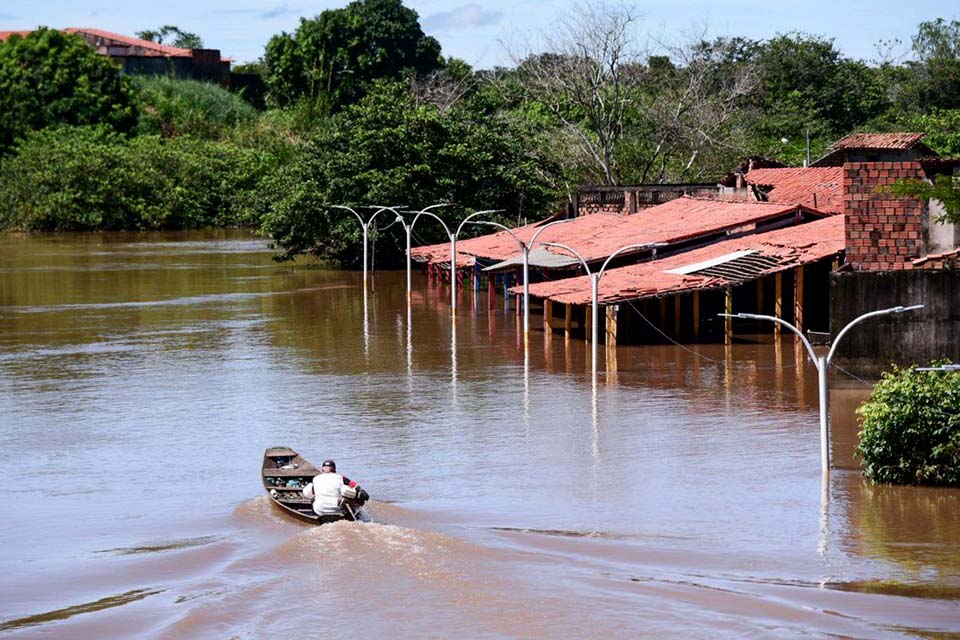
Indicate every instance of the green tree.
{"type": "Point", "coordinates": [49, 78]}
{"type": "Point", "coordinates": [910, 428]}
{"type": "Point", "coordinates": [334, 57]}
{"type": "Point", "coordinates": [809, 84]}
{"type": "Point", "coordinates": [387, 149]}
{"type": "Point", "coordinates": [936, 46]}
{"type": "Point", "coordinates": [173, 36]}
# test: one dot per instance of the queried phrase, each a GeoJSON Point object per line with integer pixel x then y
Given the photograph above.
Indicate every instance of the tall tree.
{"type": "Point", "coordinates": [335, 56]}
{"type": "Point", "coordinates": [50, 77]}
{"type": "Point", "coordinates": [173, 36]}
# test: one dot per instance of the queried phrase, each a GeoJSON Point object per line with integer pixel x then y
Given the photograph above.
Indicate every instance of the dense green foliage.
{"type": "Point", "coordinates": [171, 107]}
{"type": "Point", "coordinates": [334, 57]}
{"type": "Point", "coordinates": [385, 149]}
{"type": "Point", "coordinates": [83, 178]}
{"type": "Point", "coordinates": [49, 78]}
{"type": "Point", "coordinates": [910, 428]}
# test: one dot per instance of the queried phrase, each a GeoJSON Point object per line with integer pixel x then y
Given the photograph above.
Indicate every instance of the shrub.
{"type": "Point", "coordinates": [89, 178]}
{"type": "Point", "coordinates": [910, 428]}
{"type": "Point", "coordinates": [172, 107]}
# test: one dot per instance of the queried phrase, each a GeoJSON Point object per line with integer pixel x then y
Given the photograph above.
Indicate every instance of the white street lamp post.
{"type": "Point", "coordinates": [595, 287]}
{"type": "Point", "coordinates": [453, 257]}
{"type": "Point", "coordinates": [822, 363]}
{"type": "Point", "coordinates": [409, 229]}
{"type": "Point", "coordinates": [525, 253]}
{"type": "Point", "coordinates": [366, 225]}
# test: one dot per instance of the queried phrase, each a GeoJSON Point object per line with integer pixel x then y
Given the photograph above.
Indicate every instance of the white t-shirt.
{"type": "Point", "coordinates": [325, 490]}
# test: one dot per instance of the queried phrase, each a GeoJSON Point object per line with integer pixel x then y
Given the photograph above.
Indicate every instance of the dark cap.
{"type": "Point", "coordinates": [329, 463]}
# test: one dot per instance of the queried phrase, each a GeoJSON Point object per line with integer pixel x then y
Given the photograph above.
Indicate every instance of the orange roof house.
{"type": "Point", "coordinates": [715, 266]}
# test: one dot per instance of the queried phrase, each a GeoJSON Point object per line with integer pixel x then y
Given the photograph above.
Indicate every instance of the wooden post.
{"type": "Point", "coordinates": [676, 317]}
{"type": "Point", "coordinates": [611, 336]}
{"type": "Point", "coordinates": [696, 315]}
{"type": "Point", "coordinates": [567, 320]}
{"type": "Point", "coordinates": [588, 325]}
{"type": "Point", "coordinates": [798, 299]}
{"type": "Point", "coordinates": [548, 316]}
{"type": "Point", "coordinates": [491, 291]}
{"type": "Point", "coordinates": [777, 303]}
{"type": "Point", "coordinates": [519, 304]}
{"type": "Point", "coordinates": [728, 321]}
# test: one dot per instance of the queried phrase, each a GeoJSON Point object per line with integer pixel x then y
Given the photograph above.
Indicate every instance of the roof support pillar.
{"type": "Point", "coordinates": [491, 291]}
{"type": "Point", "coordinates": [728, 321]}
{"type": "Point", "coordinates": [567, 321]}
{"type": "Point", "coordinates": [548, 316]}
{"type": "Point", "coordinates": [798, 298]}
{"type": "Point", "coordinates": [611, 336]}
{"type": "Point", "coordinates": [588, 324]}
{"type": "Point", "coordinates": [676, 317]}
{"type": "Point", "coordinates": [777, 303]}
{"type": "Point", "coordinates": [696, 316]}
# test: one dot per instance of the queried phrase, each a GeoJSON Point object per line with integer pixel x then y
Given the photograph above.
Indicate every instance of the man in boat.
{"type": "Point", "coordinates": [329, 489]}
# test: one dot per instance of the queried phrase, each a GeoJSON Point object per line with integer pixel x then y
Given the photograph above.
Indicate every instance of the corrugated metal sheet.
{"type": "Point", "coordinates": [770, 252]}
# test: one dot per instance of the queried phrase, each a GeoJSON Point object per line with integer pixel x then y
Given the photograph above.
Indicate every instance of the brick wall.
{"type": "Point", "coordinates": [883, 233]}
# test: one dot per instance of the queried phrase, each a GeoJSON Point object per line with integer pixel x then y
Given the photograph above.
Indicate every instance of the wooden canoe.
{"type": "Point", "coordinates": [285, 474]}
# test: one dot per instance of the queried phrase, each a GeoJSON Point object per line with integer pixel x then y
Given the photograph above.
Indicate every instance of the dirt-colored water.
{"type": "Point", "coordinates": [142, 376]}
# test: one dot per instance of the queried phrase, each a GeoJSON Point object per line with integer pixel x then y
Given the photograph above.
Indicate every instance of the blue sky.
{"type": "Point", "coordinates": [475, 30]}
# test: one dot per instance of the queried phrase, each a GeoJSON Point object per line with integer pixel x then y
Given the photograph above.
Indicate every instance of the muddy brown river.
{"type": "Point", "coordinates": [142, 377]}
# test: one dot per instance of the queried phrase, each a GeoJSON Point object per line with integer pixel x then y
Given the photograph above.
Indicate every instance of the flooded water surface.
{"type": "Point", "coordinates": [142, 377]}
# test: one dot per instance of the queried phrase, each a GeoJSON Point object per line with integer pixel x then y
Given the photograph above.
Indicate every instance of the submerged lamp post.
{"type": "Point", "coordinates": [822, 363]}
{"type": "Point", "coordinates": [453, 256]}
{"type": "Point", "coordinates": [595, 287]}
{"type": "Point", "coordinates": [409, 229]}
{"type": "Point", "coordinates": [366, 226]}
{"type": "Point", "coordinates": [525, 252]}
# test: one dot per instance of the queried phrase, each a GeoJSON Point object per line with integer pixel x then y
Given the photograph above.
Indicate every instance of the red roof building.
{"type": "Point", "coordinates": [875, 147]}
{"type": "Point", "coordinates": [678, 224]}
{"type": "Point", "coordinates": [724, 264]}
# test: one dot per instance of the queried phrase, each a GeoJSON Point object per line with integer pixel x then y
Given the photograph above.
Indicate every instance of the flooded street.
{"type": "Point", "coordinates": [142, 377]}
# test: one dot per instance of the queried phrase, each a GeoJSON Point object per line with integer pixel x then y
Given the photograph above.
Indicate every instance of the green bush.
{"type": "Point", "coordinates": [87, 178]}
{"type": "Point", "coordinates": [910, 428]}
{"type": "Point", "coordinates": [172, 107]}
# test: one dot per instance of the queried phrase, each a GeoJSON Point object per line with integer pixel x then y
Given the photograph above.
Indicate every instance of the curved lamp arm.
{"type": "Point", "coordinates": [474, 215]}
{"type": "Point", "coordinates": [381, 210]}
{"type": "Point", "coordinates": [359, 217]}
{"type": "Point", "coordinates": [872, 314]}
{"type": "Point", "coordinates": [780, 321]}
{"type": "Point", "coordinates": [572, 252]}
{"type": "Point", "coordinates": [547, 226]}
{"type": "Point", "coordinates": [435, 217]}
{"type": "Point", "coordinates": [504, 228]}
{"type": "Point", "coordinates": [645, 245]}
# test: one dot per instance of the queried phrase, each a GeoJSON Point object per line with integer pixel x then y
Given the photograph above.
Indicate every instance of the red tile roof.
{"type": "Point", "coordinates": [598, 235]}
{"type": "Point", "coordinates": [798, 185]}
{"type": "Point", "coordinates": [6, 34]}
{"type": "Point", "coordinates": [901, 141]}
{"type": "Point", "coordinates": [792, 246]}
{"type": "Point", "coordinates": [146, 48]}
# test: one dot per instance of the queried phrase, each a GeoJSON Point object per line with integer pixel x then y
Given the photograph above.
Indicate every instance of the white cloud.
{"type": "Point", "coordinates": [463, 17]}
